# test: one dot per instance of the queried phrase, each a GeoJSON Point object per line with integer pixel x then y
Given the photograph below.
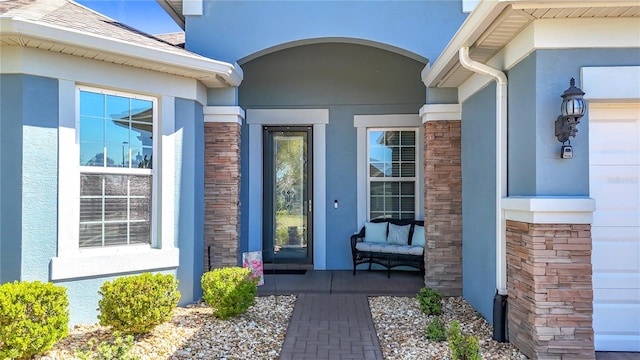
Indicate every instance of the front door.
{"type": "Point", "coordinates": [288, 203]}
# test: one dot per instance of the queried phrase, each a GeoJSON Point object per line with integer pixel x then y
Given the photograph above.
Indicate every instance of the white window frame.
{"type": "Point", "coordinates": [75, 262]}
{"type": "Point", "coordinates": [416, 190]}
{"type": "Point", "coordinates": [393, 122]}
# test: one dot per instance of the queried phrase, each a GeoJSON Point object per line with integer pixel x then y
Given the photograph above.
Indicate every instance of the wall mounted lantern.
{"type": "Point", "coordinates": [572, 110]}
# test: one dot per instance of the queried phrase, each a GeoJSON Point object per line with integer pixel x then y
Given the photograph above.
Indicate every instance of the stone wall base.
{"type": "Point", "coordinates": [550, 290]}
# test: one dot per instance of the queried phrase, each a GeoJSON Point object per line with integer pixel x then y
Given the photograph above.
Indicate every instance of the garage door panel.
{"type": "Point", "coordinates": [616, 256]}
{"type": "Point", "coordinates": [617, 193]}
{"type": "Point", "coordinates": [617, 142]}
{"type": "Point", "coordinates": [614, 183]}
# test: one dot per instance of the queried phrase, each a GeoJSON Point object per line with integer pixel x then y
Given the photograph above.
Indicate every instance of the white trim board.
{"type": "Point", "coordinates": [440, 112]}
{"type": "Point", "coordinates": [318, 118]}
{"type": "Point", "coordinates": [611, 83]}
{"type": "Point", "coordinates": [224, 114]}
{"type": "Point", "coordinates": [549, 209]}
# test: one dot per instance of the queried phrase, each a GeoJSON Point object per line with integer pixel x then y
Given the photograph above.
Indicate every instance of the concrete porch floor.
{"type": "Point", "coordinates": [367, 283]}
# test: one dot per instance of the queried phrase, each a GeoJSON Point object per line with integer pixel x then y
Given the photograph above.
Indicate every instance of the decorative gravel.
{"type": "Point", "coordinates": [401, 328]}
{"type": "Point", "coordinates": [193, 333]}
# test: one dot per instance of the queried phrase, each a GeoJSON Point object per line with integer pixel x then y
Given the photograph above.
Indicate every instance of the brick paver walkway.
{"type": "Point", "coordinates": [331, 326]}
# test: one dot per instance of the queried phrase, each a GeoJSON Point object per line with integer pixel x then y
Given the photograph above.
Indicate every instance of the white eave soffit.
{"type": "Point", "coordinates": [494, 23]}
{"type": "Point", "coordinates": [212, 73]}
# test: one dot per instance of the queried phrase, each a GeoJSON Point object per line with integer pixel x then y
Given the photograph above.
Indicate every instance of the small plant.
{"type": "Point", "coordinates": [118, 349]}
{"type": "Point", "coordinates": [136, 304]}
{"type": "Point", "coordinates": [430, 301]}
{"type": "Point", "coordinates": [33, 317]}
{"type": "Point", "coordinates": [463, 347]}
{"type": "Point", "coordinates": [436, 330]}
{"type": "Point", "coordinates": [229, 291]}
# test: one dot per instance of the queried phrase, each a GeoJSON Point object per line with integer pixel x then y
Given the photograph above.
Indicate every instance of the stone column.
{"type": "Point", "coordinates": [222, 125]}
{"type": "Point", "coordinates": [549, 278]}
{"type": "Point", "coordinates": [443, 198]}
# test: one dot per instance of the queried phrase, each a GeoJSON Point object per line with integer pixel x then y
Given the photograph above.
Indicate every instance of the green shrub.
{"type": "Point", "coordinates": [118, 349]}
{"type": "Point", "coordinates": [436, 330]}
{"type": "Point", "coordinates": [33, 317]}
{"type": "Point", "coordinates": [136, 304]}
{"type": "Point", "coordinates": [430, 301]}
{"type": "Point", "coordinates": [229, 291]}
{"type": "Point", "coordinates": [463, 347]}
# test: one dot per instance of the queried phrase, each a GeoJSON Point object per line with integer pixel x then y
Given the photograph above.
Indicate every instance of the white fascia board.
{"type": "Point", "coordinates": [477, 22]}
{"type": "Point", "coordinates": [549, 209]}
{"type": "Point", "coordinates": [206, 68]}
{"type": "Point", "coordinates": [546, 32]}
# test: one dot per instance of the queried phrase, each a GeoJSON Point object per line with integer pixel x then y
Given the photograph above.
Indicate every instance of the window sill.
{"type": "Point", "coordinates": [128, 260]}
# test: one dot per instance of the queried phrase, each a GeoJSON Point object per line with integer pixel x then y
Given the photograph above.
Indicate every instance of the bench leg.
{"type": "Point", "coordinates": [370, 264]}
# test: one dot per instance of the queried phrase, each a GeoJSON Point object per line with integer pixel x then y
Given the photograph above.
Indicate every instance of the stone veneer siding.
{"type": "Point", "coordinates": [221, 193]}
{"type": "Point", "coordinates": [550, 290]}
{"type": "Point", "coordinates": [443, 206]}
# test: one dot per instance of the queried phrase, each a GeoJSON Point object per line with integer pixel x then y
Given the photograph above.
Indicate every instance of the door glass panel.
{"type": "Point", "coordinates": [290, 194]}
{"type": "Point", "coordinates": [288, 203]}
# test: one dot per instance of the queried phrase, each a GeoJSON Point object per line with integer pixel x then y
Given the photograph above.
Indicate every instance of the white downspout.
{"type": "Point", "coordinates": [501, 160]}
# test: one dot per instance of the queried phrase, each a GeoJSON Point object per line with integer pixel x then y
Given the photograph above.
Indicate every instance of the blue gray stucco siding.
{"type": "Point", "coordinates": [190, 207]}
{"type": "Point", "coordinates": [535, 86]}
{"type": "Point", "coordinates": [422, 28]}
{"type": "Point", "coordinates": [478, 199]}
{"type": "Point", "coordinates": [29, 176]}
{"type": "Point", "coordinates": [11, 109]}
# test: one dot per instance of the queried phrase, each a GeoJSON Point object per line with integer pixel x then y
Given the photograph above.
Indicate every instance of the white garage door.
{"type": "Point", "coordinates": [614, 178]}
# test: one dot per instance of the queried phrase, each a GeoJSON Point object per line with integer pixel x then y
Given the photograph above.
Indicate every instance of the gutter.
{"type": "Point", "coordinates": [202, 68]}
{"type": "Point", "coordinates": [501, 163]}
{"type": "Point", "coordinates": [500, 299]}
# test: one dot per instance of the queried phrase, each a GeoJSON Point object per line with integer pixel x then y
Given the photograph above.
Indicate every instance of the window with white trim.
{"type": "Point", "coordinates": [116, 168]}
{"type": "Point", "coordinates": [392, 173]}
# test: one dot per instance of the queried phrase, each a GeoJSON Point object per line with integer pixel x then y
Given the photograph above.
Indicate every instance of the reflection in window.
{"type": "Point", "coordinates": [116, 133]}
{"type": "Point", "coordinates": [392, 174]}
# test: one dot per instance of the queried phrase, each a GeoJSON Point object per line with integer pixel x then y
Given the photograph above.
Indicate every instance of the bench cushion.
{"type": "Point", "coordinates": [389, 248]}
{"type": "Point", "coordinates": [418, 236]}
{"type": "Point", "coordinates": [375, 232]}
{"type": "Point", "coordinates": [398, 234]}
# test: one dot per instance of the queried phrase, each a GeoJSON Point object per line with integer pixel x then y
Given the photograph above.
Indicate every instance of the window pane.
{"type": "Point", "coordinates": [117, 107]}
{"type": "Point", "coordinates": [140, 232]}
{"type": "Point", "coordinates": [91, 154]}
{"type": "Point", "coordinates": [91, 104]}
{"type": "Point", "coordinates": [122, 125]}
{"type": "Point", "coordinates": [117, 132]}
{"type": "Point", "coordinates": [392, 138]}
{"type": "Point", "coordinates": [408, 154]}
{"type": "Point", "coordinates": [91, 130]}
{"type": "Point", "coordinates": [140, 185]}
{"type": "Point", "coordinates": [407, 188]}
{"type": "Point", "coordinates": [90, 185]}
{"type": "Point", "coordinates": [392, 188]}
{"type": "Point", "coordinates": [376, 139]}
{"type": "Point", "coordinates": [126, 201]}
{"type": "Point", "coordinates": [115, 209]}
{"type": "Point", "coordinates": [142, 111]}
{"type": "Point", "coordinates": [408, 170]}
{"type": "Point", "coordinates": [407, 216]}
{"type": "Point", "coordinates": [90, 235]}
{"type": "Point", "coordinates": [377, 204]}
{"type": "Point", "coordinates": [408, 204]}
{"type": "Point", "coordinates": [377, 188]}
{"type": "Point", "coordinates": [408, 138]}
{"type": "Point", "coordinates": [377, 169]}
{"type": "Point", "coordinates": [140, 209]}
{"type": "Point", "coordinates": [115, 234]}
{"type": "Point", "coordinates": [91, 210]}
